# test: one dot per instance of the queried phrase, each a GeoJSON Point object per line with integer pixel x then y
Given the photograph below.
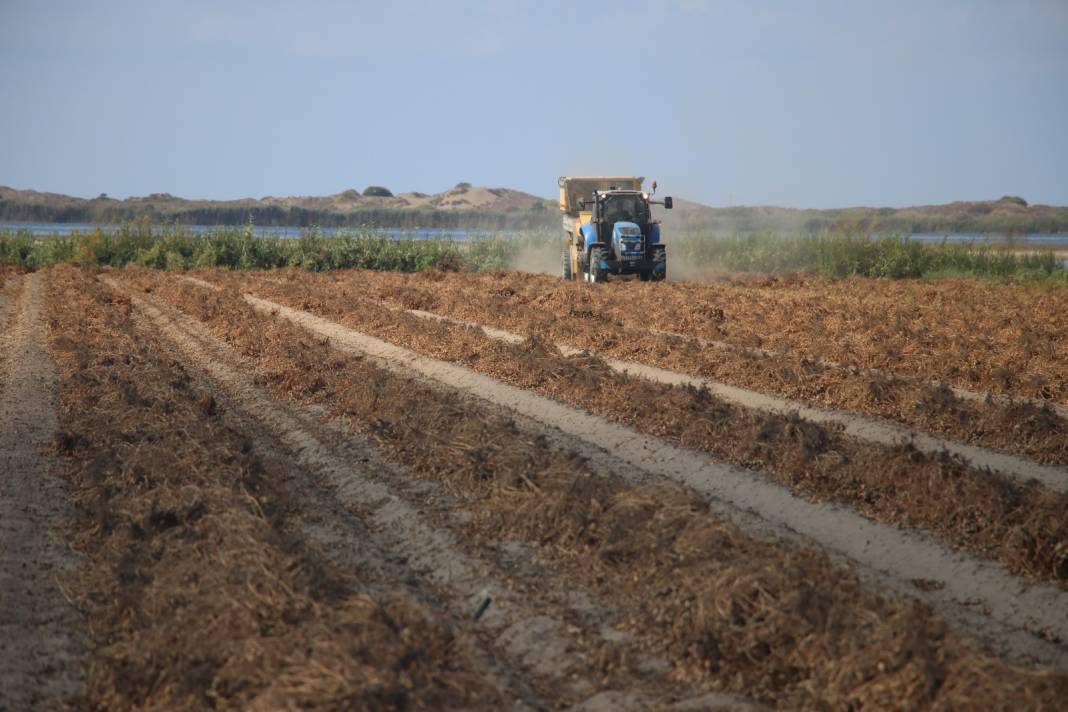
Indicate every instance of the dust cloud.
{"type": "Point", "coordinates": [540, 257]}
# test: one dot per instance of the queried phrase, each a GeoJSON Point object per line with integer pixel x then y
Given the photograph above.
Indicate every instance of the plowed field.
{"type": "Point", "coordinates": [366, 490]}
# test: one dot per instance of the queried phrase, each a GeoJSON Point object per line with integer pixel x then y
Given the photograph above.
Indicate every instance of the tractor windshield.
{"type": "Point", "coordinates": [624, 208]}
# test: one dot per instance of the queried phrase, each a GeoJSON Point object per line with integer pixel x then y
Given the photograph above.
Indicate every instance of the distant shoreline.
{"type": "Point", "coordinates": [467, 207]}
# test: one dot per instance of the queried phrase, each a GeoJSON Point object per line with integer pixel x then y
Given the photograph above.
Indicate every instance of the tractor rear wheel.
{"type": "Point", "coordinates": [594, 273]}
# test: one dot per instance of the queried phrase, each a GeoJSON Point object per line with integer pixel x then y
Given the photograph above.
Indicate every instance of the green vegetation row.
{"type": "Point", "coordinates": [175, 248]}
{"type": "Point", "coordinates": [831, 255]}
{"type": "Point", "coordinates": [538, 216]}
{"type": "Point", "coordinates": [837, 255]}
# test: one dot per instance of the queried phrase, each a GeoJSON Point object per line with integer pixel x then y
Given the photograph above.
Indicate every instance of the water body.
{"type": "Point", "coordinates": [1037, 241]}
{"type": "Point", "coordinates": [63, 229]}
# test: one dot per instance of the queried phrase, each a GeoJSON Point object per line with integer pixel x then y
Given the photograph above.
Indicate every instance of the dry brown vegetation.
{"type": "Point", "coordinates": [991, 337]}
{"type": "Point", "coordinates": [197, 594]}
{"type": "Point", "coordinates": [764, 617]}
{"type": "Point", "coordinates": [865, 323]}
{"type": "Point", "coordinates": [1021, 525]}
{"type": "Point", "coordinates": [7, 271]}
{"type": "Point", "coordinates": [223, 566]}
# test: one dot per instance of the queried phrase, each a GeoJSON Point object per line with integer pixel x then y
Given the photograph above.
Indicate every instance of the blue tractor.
{"type": "Point", "coordinates": [609, 229]}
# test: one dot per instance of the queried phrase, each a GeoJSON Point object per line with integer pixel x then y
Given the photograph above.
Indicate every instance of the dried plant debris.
{"type": "Point", "coordinates": [763, 617]}
{"type": "Point", "coordinates": [1005, 340]}
{"type": "Point", "coordinates": [1021, 525]}
{"type": "Point", "coordinates": [196, 593]}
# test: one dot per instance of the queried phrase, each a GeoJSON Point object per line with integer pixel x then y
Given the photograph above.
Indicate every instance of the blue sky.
{"type": "Point", "coordinates": [805, 104]}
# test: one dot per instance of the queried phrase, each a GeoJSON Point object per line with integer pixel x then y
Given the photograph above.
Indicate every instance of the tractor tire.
{"type": "Point", "coordinates": [594, 273]}
{"type": "Point", "coordinates": [659, 275]}
{"type": "Point", "coordinates": [566, 273]}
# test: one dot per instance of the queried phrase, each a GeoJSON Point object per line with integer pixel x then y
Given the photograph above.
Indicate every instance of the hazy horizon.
{"type": "Point", "coordinates": [545, 197]}
{"type": "Point", "coordinates": [826, 105]}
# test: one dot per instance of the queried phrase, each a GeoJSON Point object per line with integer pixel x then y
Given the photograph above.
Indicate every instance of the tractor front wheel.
{"type": "Point", "coordinates": [594, 273]}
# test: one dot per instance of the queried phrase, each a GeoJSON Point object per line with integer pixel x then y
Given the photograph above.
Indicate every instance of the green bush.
{"type": "Point", "coordinates": [835, 255]}
{"type": "Point", "coordinates": [831, 255]}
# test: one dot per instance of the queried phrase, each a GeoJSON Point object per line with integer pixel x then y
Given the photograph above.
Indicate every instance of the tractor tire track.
{"type": "Point", "coordinates": [538, 642]}
{"type": "Point", "coordinates": [41, 639]}
{"type": "Point", "coordinates": [1017, 619]}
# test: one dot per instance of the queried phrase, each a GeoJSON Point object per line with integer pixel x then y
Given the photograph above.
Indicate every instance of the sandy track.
{"type": "Point", "coordinates": [870, 429]}
{"type": "Point", "coordinates": [535, 640]}
{"type": "Point", "coordinates": [41, 641]}
{"type": "Point", "coordinates": [1021, 617]}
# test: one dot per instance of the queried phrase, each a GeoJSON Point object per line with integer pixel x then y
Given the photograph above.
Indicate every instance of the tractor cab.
{"type": "Point", "coordinates": [621, 206]}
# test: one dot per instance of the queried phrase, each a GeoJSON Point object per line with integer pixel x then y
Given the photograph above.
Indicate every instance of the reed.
{"type": "Point", "coordinates": [175, 247]}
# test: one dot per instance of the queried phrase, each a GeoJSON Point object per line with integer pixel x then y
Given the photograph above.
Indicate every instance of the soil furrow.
{"type": "Point", "coordinates": [200, 590]}
{"type": "Point", "coordinates": [962, 580]}
{"type": "Point", "coordinates": [42, 649]}
{"type": "Point", "coordinates": [615, 321]}
{"type": "Point", "coordinates": [635, 543]}
{"type": "Point", "coordinates": [529, 636]}
{"type": "Point", "coordinates": [744, 614]}
{"type": "Point", "coordinates": [976, 511]}
{"type": "Point", "coordinates": [856, 425]}
{"type": "Point", "coordinates": [962, 393]}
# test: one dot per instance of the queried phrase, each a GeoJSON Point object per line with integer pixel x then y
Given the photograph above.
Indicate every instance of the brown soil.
{"type": "Point", "coordinates": [869, 429]}
{"type": "Point", "coordinates": [875, 430]}
{"type": "Point", "coordinates": [616, 321]}
{"type": "Point", "coordinates": [1000, 338]}
{"type": "Point", "coordinates": [563, 648]}
{"type": "Point", "coordinates": [1016, 618]}
{"type": "Point", "coordinates": [761, 616]}
{"type": "Point", "coordinates": [1021, 525]}
{"type": "Point", "coordinates": [41, 635]}
{"type": "Point", "coordinates": [198, 592]}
